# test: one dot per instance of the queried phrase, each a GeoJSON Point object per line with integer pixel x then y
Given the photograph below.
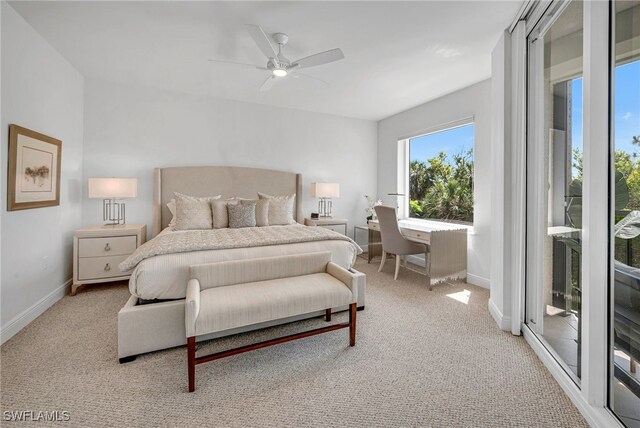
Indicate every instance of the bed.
{"type": "Point", "coordinates": [153, 317]}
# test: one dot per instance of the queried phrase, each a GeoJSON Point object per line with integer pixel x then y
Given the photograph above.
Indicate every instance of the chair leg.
{"type": "Point", "coordinates": [327, 316]}
{"type": "Point", "coordinates": [384, 259]}
{"type": "Point", "coordinates": [352, 324]}
{"type": "Point", "coordinates": [191, 362]}
{"type": "Point", "coordinates": [398, 259]}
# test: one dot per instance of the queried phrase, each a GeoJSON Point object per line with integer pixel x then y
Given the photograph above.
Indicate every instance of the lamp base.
{"type": "Point", "coordinates": [324, 207]}
{"type": "Point", "coordinates": [113, 212]}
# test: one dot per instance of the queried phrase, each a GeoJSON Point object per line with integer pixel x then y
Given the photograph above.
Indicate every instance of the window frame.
{"type": "Point", "coordinates": [404, 159]}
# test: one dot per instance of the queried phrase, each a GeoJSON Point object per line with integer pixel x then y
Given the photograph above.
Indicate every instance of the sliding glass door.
{"type": "Point", "coordinates": [583, 199]}
{"type": "Point", "coordinates": [554, 183]}
{"type": "Point", "coordinates": [625, 289]}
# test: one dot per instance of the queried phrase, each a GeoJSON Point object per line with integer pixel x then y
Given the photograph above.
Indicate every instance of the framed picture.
{"type": "Point", "coordinates": [34, 169]}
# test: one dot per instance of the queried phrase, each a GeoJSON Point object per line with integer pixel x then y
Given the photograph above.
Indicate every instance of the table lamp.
{"type": "Point", "coordinates": [111, 190]}
{"type": "Point", "coordinates": [324, 192]}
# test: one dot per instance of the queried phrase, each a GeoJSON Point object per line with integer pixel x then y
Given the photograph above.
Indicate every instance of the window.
{"type": "Point", "coordinates": [441, 175]}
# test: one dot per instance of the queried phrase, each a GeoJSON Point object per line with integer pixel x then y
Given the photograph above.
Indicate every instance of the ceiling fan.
{"type": "Point", "coordinates": [279, 65]}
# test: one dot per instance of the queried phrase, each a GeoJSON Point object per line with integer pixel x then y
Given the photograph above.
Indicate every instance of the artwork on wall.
{"type": "Point", "coordinates": [34, 169]}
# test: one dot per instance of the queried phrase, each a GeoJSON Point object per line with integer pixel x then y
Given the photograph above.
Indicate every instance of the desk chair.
{"type": "Point", "coordinates": [394, 242]}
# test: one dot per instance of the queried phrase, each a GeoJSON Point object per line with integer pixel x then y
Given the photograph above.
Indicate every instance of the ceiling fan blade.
{"type": "Point", "coordinates": [320, 58]}
{"type": "Point", "coordinates": [269, 83]}
{"type": "Point", "coordinates": [261, 39]}
{"type": "Point", "coordinates": [306, 76]}
{"type": "Point", "coordinates": [237, 64]}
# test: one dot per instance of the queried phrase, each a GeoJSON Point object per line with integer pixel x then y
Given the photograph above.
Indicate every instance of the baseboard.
{"type": "Point", "coordinates": [503, 322]}
{"type": "Point", "coordinates": [21, 321]}
{"type": "Point", "coordinates": [595, 416]}
{"type": "Point", "coordinates": [478, 280]}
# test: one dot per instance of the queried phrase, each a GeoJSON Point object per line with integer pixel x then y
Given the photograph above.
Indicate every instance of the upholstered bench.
{"type": "Point", "coordinates": [226, 295]}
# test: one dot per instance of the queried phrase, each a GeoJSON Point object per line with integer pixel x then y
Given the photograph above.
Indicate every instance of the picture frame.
{"type": "Point", "coordinates": [35, 163]}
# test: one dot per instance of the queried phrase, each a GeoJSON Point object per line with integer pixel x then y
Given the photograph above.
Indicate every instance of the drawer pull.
{"type": "Point", "coordinates": [107, 267]}
{"type": "Point", "coordinates": [418, 235]}
{"type": "Point", "coordinates": [107, 247]}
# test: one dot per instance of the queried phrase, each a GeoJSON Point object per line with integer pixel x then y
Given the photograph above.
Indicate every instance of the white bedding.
{"type": "Point", "coordinates": [165, 276]}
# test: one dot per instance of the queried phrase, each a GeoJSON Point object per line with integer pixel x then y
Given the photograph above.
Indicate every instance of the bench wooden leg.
{"type": "Point", "coordinates": [191, 361]}
{"type": "Point", "coordinates": [327, 316]}
{"type": "Point", "coordinates": [352, 324]}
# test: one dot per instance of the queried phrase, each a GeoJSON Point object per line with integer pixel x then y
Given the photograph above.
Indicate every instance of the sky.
{"type": "Point", "coordinates": [626, 120]}
{"type": "Point", "coordinates": [451, 141]}
{"type": "Point", "coordinates": [626, 108]}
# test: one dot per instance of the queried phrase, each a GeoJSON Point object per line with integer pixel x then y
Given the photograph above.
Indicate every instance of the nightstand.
{"type": "Point", "coordinates": [336, 224]}
{"type": "Point", "coordinates": [98, 250]}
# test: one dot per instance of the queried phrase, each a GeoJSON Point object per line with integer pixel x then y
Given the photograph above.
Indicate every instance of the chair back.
{"type": "Point", "coordinates": [392, 239]}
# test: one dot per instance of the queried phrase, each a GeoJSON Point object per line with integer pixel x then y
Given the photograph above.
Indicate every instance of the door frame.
{"type": "Point", "coordinates": [591, 397]}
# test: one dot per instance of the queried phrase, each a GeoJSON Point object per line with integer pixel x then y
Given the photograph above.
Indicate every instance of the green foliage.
{"type": "Point", "coordinates": [442, 188]}
{"type": "Point", "coordinates": [627, 165]}
{"type": "Point", "coordinates": [415, 208]}
{"type": "Point", "coordinates": [419, 180]}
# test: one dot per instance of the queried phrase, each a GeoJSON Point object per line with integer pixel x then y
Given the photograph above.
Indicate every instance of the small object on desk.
{"type": "Point", "coordinates": [336, 224]}
{"type": "Point", "coordinates": [98, 250]}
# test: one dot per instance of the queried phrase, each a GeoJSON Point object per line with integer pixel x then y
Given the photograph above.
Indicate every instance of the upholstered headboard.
{"type": "Point", "coordinates": [227, 181]}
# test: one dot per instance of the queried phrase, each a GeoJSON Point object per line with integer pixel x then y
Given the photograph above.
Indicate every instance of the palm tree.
{"type": "Point", "coordinates": [635, 140]}
{"type": "Point", "coordinates": [419, 180]}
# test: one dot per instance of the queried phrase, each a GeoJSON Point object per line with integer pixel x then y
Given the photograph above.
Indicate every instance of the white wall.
{"type": "Point", "coordinates": [131, 130]}
{"type": "Point", "coordinates": [474, 101]}
{"type": "Point", "coordinates": [43, 92]}
{"type": "Point", "coordinates": [501, 157]}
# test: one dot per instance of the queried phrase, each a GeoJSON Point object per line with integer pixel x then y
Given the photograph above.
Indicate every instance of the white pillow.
{"type": "Point", "coordinates": [172, 208]}
{"type": "Point", "coordinates": [280, 208]}
{"type": "Point", "coordinates": [193, 212]}
{"type": "Point", "coordinates": [220, 213]}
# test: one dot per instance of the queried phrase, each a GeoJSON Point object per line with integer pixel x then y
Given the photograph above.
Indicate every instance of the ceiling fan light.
{"type": "Point", "coordinates": [279, 72]}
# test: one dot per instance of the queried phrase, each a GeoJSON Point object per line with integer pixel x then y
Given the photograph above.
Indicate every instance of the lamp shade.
{"type": "Point", "coordinates": [113, 188]}
{"type": "Point", "coordinates": [325, 190]}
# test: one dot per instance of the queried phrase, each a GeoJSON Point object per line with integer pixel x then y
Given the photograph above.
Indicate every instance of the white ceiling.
{"type": "Point", "coordinates": [397, 54]}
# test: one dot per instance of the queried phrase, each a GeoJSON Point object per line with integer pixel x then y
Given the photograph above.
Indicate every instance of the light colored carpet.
{"type": "Point", "coordinates": [422, 359]}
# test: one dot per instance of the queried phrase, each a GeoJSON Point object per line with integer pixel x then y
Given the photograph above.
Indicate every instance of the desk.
{"type": "Point", "coordinates": [447, 241]}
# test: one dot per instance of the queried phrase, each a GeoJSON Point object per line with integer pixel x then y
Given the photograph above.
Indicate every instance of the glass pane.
{"type": "Point", "coordinates": [554, 184]}
{"type": "Point", "coordinates": [625, 370]}
{"type": "Point", "coordinates": [441, 175]}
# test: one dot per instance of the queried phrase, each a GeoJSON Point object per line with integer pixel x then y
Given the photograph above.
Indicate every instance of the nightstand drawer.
{"type": "Point", "coordinates": [100, 267]}
{"type": "Point", "coordinates": [115, 246]}
{"type": "Point", "coordinates": [340, 228]}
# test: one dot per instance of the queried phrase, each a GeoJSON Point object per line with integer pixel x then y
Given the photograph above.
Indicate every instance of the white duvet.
{"type": "Point", "coordinates": [165, 275]}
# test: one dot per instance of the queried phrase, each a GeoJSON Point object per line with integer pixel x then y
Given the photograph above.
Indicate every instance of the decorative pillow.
{"type": "Point", "coordinates": [172, 208]}
{"type": "Point", "coordinates": [193, 213]}
{"type": "Point", "coordinates": [242, 215]}
{"type": "Point", "coordinates": [280, 208]}
{"type": "Point", "coordinates": [262, 210]}
{"type": "Point", "coordinates": [220, 213]}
